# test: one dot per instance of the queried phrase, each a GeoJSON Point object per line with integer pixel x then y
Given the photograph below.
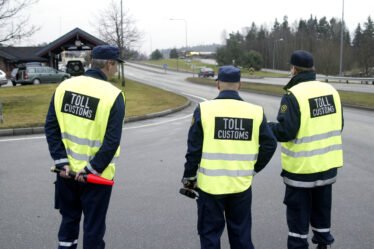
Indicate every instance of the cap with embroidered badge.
{"type": "Point", "coordinates": [229, 74]}
{"type": "Point", "coordinates": [106, 52]}
{"type": "Point", "coordinates": [302, 58]}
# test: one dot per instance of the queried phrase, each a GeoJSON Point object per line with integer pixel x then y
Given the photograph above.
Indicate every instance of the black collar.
{"type": "Point", "coordinates": [96, 73]}
{"type": "Point", "coordinates": [229, 94]}
{"type": "Point", "coordinates": [300, 77]}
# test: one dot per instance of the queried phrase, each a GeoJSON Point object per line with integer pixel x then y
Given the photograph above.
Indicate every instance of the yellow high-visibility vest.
{"type": "Point", "coordinates": [318, 144]}
{"type": "Point", "coordinates": [230, 147]}
{"type": "Point", "coordinates": [83, 106]}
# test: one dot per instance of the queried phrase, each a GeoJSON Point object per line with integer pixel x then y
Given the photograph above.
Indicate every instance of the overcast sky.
{"type": "Point", "coordinates": [206, 19]}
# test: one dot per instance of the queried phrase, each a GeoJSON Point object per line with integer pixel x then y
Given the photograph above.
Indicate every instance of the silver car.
{"type": "Point", "coordinates": [36, 75]}
{"type": "Point", "coordinates": [3, 79]}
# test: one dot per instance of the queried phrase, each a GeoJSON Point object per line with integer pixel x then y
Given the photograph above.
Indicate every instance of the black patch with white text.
{"type": "Point", "coordinates": [233, 128]}
{"type": "Point", "coordinates": [321, 106]}
{"type": "Point", "coordinates": [80, 105]}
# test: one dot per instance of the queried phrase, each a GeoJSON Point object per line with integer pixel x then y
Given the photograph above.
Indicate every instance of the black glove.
{"type": "Point", "coordinates": [189, 182]}
{"type": "Point", "coordinates": [189, 193]}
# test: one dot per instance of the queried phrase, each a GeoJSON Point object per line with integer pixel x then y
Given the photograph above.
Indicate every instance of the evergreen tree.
{"type": "Point", "coordinates": [358, 37]}
{"type": "Point", "coordinates": [368, 45]}
{"type": "Point", "coordinates": [156, 55]}
{"type": "Point", "coordinates": [319, 36]}
{"type": "Point", "coordinates": [252, 59]}
{"type": "Point", "coordinates": [173, 53]}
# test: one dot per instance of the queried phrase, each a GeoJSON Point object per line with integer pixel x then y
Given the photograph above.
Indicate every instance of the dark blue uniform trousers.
{"type": "Point", "coordinates": [212, 211]}
{"type": "Point", "coordinates": [308, 206]}
{"type": "Point", "coordinates": [73, 198]}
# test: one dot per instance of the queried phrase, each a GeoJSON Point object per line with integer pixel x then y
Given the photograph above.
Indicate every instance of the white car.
{"type": "Point", "coordinates": [3, 79]}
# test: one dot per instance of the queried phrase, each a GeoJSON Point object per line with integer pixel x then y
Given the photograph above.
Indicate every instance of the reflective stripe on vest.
{"type": "Point", "coordinates": [230, 145]}
{"type": "Point", "coordinates": [312, 153]}
{"type": "Point", "coordinates": [81, 141]}
{"type": "Point", "coordinates": [300, 184]}
{"type": "Point", "coordinates": [228, 157]}
{"type": "Point", "coordinates": [317, 137]}
{"type": "Point", "coordinates": [225, 172]}
{"type": "Point", "coordinates": [83, 107]}
{"type": "Point", "coordinates": [84, 157]}
{"type": "Point", "coordinates": [318, 144]}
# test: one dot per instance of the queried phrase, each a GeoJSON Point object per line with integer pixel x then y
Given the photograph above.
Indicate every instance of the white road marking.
{"type": "Point", "coordinates": [21, 139]}
{"type": "Point", "coordinates": [125, 128]}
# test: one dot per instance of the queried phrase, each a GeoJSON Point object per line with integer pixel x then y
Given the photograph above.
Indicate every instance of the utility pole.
{"type": "Point", "coordinates": [122, 49]}
{"type": "Point", "coordinates": [341, 43]}
{"type": "Point", "coordinates": [185, 28]}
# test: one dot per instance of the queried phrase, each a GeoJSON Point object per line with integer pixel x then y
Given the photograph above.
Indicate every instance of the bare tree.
{"type": "Point", "coordinates": [13, 24]}
{"type": "Point", "coordinates": [109, 28]}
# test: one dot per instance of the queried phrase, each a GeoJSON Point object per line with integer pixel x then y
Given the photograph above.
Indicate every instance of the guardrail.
{"type": "Point", "coordinates": [347, 80]}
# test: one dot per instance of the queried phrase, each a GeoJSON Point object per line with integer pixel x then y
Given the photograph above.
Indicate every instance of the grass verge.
{"type": "Point", "coordinates": [189, 65]}
{"type": "Point", "coordinates": [27, 106]}
{"type": "Point", "coordinates": [358, 99]}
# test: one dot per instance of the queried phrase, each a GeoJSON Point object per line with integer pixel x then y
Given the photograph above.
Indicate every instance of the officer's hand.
{"type": "Point", "coordinates": [65, 172]}
{"type": "Point", "coordinates": [79, 176]}
{"type": "Point", "coordinates": [189, 182]}
{"type": "Point", "coordinates": [270, 123]}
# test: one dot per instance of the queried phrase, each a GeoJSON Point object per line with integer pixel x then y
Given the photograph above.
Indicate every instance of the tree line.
{"type": "Point", "coordinates": [257, 47]}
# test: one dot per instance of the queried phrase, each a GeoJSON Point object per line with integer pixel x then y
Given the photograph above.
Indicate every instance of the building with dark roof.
{"type": "Point", "coordinates": [75, 40]}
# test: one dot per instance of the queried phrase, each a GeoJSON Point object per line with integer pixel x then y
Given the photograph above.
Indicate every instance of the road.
{"type": "Point", "coordinates": [146, 211]}
{"type": "Point", "coordinates": [353, 87]}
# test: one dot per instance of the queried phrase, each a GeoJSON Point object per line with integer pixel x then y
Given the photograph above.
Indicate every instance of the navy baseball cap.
{"type": "Point", "coordinates": [302, 58]}
{"type": "Point", "coordinates": [106, 52]}
{"type": "Point", "coordinates": [229, 74]}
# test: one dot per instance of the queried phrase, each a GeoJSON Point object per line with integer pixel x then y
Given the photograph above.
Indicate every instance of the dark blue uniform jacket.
{"type": "Point", "coordinates": [289, 123]}
{"type": "Point", "coordinates": [268, 142]}
{"type": "Point", "coordinates": [112, 135]}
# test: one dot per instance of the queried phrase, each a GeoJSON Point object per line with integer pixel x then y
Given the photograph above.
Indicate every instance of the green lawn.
{"type": "Point", "coordinates": [188, 65]}
{"type": "Point", "coordinates": [348, 98]}
{"type": "Point", "coordinates": [27, 106]}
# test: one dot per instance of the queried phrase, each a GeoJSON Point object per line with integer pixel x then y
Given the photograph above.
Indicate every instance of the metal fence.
{"type": "Point", "coordinates": [347, 80]}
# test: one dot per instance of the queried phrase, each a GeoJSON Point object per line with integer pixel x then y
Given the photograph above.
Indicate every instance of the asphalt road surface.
{"type": "Point", "coordinates": [146, 210]}
{"type": "Point", "coordinates": [353, 87]}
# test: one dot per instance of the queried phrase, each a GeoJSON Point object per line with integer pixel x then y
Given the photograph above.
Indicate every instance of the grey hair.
{"type": "Point", "coordinates": [229, 85]}
{"type": "Point", "coordinates": [96, 63]}
{"type": "Point", "coordinates": [304, 69]}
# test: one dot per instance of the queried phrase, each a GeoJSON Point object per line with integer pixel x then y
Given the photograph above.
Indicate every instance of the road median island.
{"type": "Point", "coordinates": [350, 99]}
{"type": "Point", "coordinates": [192, 66]}
{"type": "Point", "coordinates": [25, 107]}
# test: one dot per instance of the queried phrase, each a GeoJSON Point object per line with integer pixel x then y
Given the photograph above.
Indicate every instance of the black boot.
{"type": "Point", "coordinates": [320, 246]}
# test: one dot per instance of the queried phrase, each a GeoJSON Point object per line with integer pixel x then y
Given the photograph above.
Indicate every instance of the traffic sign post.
{"type": "Point", "coordinates": [1, 113]}
{"type": "Point", "coordinates": [165, 67]}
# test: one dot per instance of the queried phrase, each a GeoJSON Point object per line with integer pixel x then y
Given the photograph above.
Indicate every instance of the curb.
{"type": "Point", "coordinates": [156, 67]}
{"type": "Point", "coordinates": [158, 114]}
{"type": "Point", "coordinates": [366, 108]}
{"type": "Point", "coordinates": [40, 130]}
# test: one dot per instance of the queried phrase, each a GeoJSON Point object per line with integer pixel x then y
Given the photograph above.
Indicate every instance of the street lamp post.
{"type": "Point", "coordinates": [275, 43]}
{"type": "Point", "coordinates": [122, 50]}
{"type": "Point", "coordinates": [185, 28]}
{"type": "Point", "coordinates": [341, 43]}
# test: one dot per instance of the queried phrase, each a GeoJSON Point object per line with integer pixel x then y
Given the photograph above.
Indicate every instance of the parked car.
{"type": "Point", "coordinates": [3, 79]}
{"type": "Point", "coordinates": [206, 72]}
{"type": "Point", "coordinates": [75, 68]}
{"type": "Point", "coordinates": [36, 75]}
